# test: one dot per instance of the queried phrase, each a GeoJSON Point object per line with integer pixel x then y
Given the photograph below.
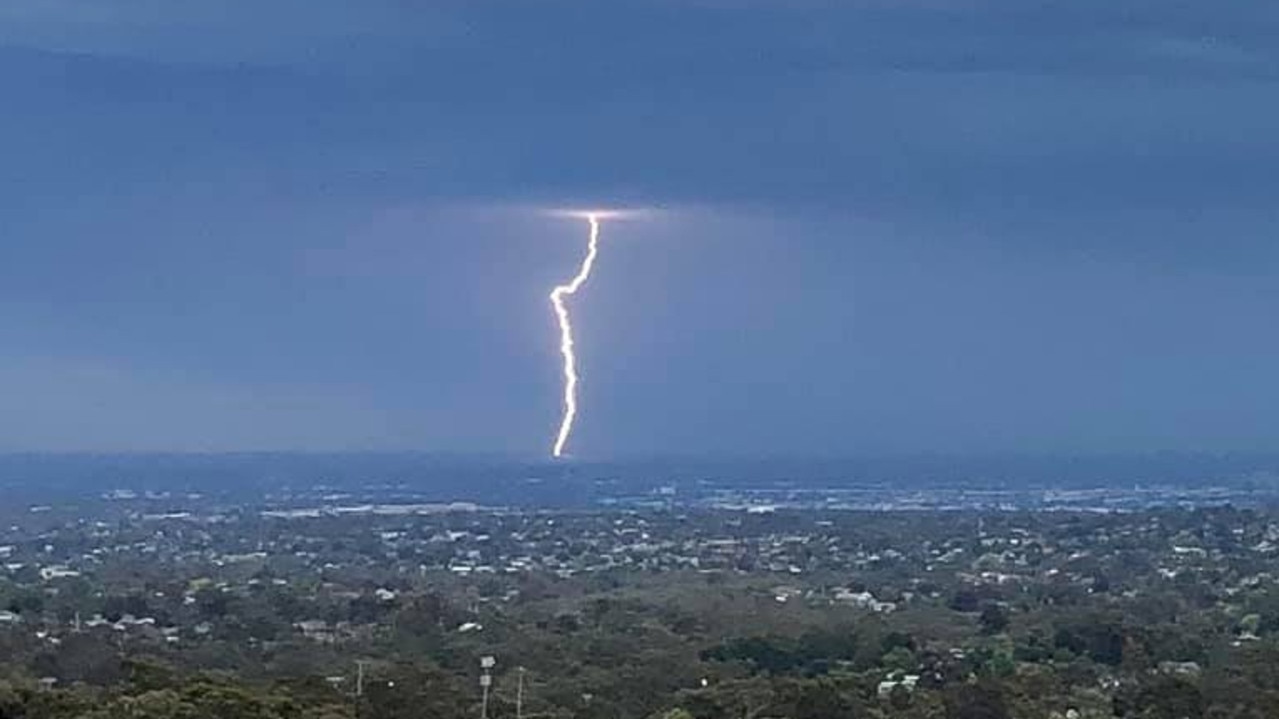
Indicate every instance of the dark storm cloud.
{"type": "Point", "coordinates": [874, 103]}
{"type": "Point", "coordinates": [179, 178]}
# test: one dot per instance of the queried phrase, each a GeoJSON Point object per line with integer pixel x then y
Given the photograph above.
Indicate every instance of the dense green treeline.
{"type": "Point", "coordinates": [1171, 615]}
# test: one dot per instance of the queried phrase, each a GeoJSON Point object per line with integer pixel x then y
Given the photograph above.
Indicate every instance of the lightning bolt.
{"type": "Point", "coordinates": [566, 335]}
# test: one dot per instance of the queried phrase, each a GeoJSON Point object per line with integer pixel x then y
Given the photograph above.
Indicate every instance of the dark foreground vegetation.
{"type": "Point", "coordinates": [232, 614]}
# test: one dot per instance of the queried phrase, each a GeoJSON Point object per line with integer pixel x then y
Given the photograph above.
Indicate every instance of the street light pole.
{"type": "Point", "coordinates": [486, 680]}
{"type": "Point", "coordinates": [519, 697]}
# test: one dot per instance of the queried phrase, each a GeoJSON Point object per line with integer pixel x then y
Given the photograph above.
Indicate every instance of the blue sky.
{"type": "Point", "coordinates": [888, 226]}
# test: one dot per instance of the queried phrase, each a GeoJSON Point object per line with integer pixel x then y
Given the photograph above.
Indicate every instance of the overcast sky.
{"type": "Point", "coordinates": [937, 225]}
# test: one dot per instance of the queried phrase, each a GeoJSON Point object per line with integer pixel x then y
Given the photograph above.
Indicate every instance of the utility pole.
{"type": "Point", "coordinates": [486, 681]}
{"type": "Point", "coordinates": [359, 685]}
{"type": "Point", "coordinates": [519, 697]}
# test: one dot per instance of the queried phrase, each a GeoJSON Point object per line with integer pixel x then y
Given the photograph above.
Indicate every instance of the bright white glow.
{"type": "Point", "coordinates": [599, 214]}
{"type": "Point", "coordinates": [566, 332]}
